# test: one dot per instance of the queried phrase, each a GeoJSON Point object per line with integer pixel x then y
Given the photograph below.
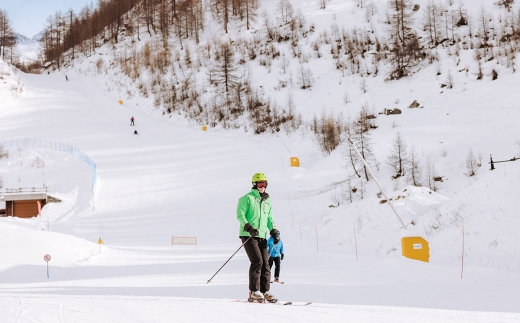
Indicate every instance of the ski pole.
{"type": "Point", "coordinates": [228, 260]}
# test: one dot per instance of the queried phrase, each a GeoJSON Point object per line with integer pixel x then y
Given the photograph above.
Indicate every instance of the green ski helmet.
{"type": "Point", "coordinates": [258, 177]}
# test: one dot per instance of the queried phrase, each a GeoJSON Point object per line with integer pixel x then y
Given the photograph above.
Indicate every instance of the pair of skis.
{"type": "Point", "coordinates": [274, 303]}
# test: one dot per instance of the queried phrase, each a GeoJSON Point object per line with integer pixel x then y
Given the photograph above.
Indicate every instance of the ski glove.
{"type": "Point", "coordinates": [276, 235]}
{"type": "Point", "coordinates": [249, 229]}
{"type": "Point", "coordinates": [281, 257]}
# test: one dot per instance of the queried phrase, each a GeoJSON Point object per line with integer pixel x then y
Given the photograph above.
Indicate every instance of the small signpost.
{"type": "Point", "coordinates": [47, 258]}
{"type": "Point", "coordinates": [185, 240]}
{"type": "Point", "coordinates": [100, 240]}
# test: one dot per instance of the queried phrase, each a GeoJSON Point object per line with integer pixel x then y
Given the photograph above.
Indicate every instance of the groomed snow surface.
{"type": "Point", "coordinates": [175, 180]}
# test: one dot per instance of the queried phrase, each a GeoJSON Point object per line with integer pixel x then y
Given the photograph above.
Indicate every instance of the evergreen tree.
{"type": "Point", "coordinates": [361, 138]}
{"type": "Point", "coordinates": [398, 158]}
{"type": "Point", "coordinates": [432, 21]}
{"type": "Point", "coordinates": [225, 69]}
{"type": "Point", "coordinates": [404, 43]}
{"type": "Point", "coordinates": [7, 38]}
{"type": "Point", "coordinates": [222, 11]}
{"type": "Point", "coordinates": [415, 173]}
{"type": "Point", "coordinates": [249, 12]}
{"type": "Point", "coordinates": [431, 173]}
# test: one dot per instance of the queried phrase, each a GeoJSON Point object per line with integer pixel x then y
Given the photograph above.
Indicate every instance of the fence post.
{"type": "Point", "coordinates": [462, 269]}
{"type": "Point", "coordinates": [355, 240]}
{"type": "Point", "coordinates": [317, 248]}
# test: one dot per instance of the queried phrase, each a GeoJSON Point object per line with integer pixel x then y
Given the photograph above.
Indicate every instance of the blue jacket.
{"type": "Point", "coordinates": [274, 250]}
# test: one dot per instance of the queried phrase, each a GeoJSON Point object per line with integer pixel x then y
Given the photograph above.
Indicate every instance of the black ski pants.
{"type": "Point", "coordinates": [277, 263]}
{"type": "Point", "coordinates": [259, 270]}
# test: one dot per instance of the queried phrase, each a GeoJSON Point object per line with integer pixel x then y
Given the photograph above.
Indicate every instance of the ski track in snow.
{"type": "Point", "coordinates": [148, 309]}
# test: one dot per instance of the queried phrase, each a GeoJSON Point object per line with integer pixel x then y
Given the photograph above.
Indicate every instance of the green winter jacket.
{"type": "Point", "coordinates": [259, 214]}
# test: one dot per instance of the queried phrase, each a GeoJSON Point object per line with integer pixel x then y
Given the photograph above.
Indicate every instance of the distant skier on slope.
{"type": "Point", "coordinates": [132, 121]}
{"type": "Point", "coordinates": [254, 212]}
{"type": "Point", "coordinates": [135, 132]}
{"type": "Point", "coordinates": [276, 252]}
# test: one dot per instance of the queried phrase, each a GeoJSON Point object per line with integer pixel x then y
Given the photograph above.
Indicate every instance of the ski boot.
{"type": "Point", "coordinates": [270, 297]}
{"type": "Point", "coordinates": [256, 297]}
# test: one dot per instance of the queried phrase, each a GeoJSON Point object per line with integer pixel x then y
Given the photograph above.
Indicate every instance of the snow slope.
{"type": "Point", "coordinates": [10, 86]}
{"type": "Point", "coordinates": [175, 180]}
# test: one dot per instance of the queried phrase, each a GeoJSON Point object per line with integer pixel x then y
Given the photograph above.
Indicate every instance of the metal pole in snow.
{"type": "Point", "coordinates": [462, 269]}
{"type": "Point", "coordinates": [284, 144]}
{"type": "Point", "coordinates": [355, 240]}
{"type": "Point", "coordinates": [99, 234]}
{"type": "Point", "coordinates": [375, 179]}
{"type": "Point", "coordinates": [317, 248]}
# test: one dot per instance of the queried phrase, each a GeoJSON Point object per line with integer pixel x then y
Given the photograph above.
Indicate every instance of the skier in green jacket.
{"type": "Point", "coordinates": [254, 212]}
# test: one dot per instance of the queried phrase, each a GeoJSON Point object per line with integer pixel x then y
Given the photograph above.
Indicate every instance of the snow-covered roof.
{"type": "Point", "coordinates": [24, 196]}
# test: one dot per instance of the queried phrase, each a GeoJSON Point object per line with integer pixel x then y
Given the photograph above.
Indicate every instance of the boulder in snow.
{"type": "Point", "coordinates": [414, 104]}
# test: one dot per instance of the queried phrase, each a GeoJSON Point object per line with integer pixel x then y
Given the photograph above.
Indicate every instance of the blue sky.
{"type": "Point", "coordinates": [28, 17]}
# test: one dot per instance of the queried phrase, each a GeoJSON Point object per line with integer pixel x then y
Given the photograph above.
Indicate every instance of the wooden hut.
{"type": "Point", "coordinates": [25, 205]}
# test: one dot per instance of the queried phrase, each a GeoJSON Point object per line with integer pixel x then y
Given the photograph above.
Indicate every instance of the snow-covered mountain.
{"type": "Point", "coordinates": [21, 38]}
{"type": "Point", "coordinates": [28, 49]}
{"type": "Point", "coordinates": [38, 36]}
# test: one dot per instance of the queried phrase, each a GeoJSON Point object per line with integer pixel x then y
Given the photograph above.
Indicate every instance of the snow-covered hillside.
{"type": "Point", "coordinates": [476, 116]}
{"type": "Point", "coordinates": [10, 86]}
{"type": "Point", "coordinates": [175, 180]}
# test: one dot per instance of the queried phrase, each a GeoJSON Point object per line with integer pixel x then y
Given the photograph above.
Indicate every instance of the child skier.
{"type": "Point", "coordinates": [254, 212]}
{"type": "Point", "coordinates": [275, 250]}
{"type": "Point", "coordinates": [132, 121]}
